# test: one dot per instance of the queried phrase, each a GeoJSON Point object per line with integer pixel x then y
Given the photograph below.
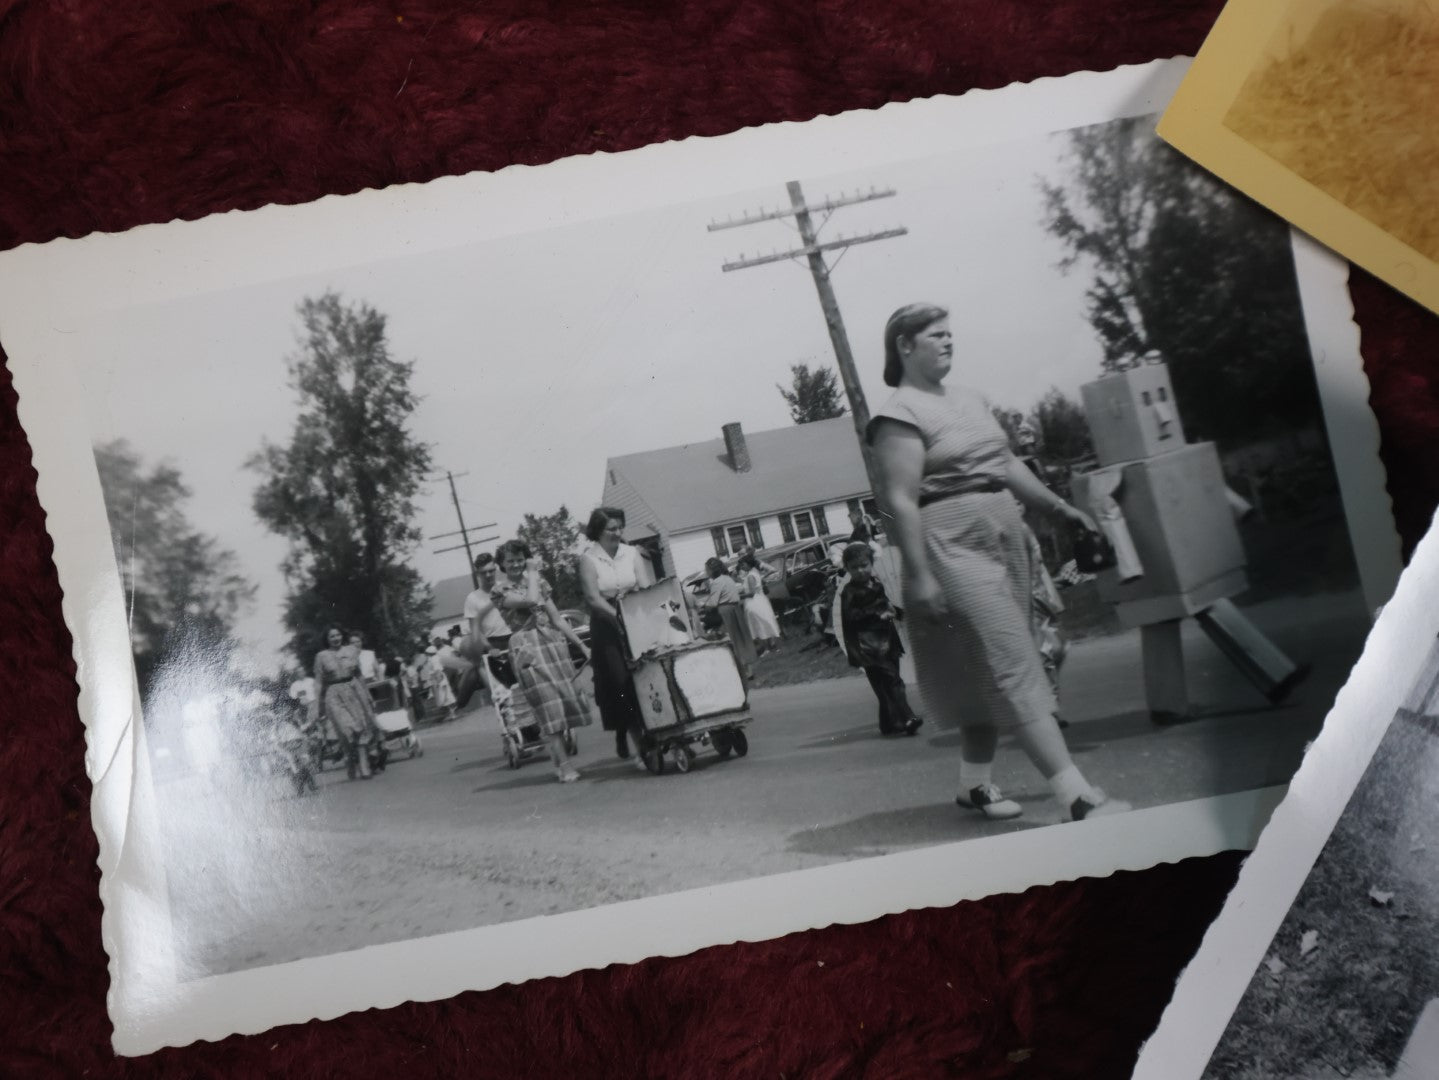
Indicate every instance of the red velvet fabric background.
{"type": "Point", "coordinates": [115, 115]}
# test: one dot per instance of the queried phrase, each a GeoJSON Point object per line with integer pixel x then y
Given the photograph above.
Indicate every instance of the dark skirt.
{"type": "Point", "coordinates": [737, 630]}
{"type": "Point", "coordinates": [614, 689]}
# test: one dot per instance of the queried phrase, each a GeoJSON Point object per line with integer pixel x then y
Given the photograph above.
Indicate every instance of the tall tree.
{"type": "Point", "coordinates": [814, 394]}
{"type": "Point", "coordinates": [343, 491]}
{"type": "Point", "coordinates": [555, 538]}
{"type": "Point", "coordinates": [183, 590]}
{"type": "Point", "coordinates": [1061, 427]}
{"type": "Point", "coordinates": [1184, 268]}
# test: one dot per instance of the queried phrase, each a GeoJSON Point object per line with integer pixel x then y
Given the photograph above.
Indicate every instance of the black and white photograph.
{"type": "Point", "coordinates": [984, 490]}
{"type": "Point", "coordinates": [1323, 963]}
{"type": "Point", "coordinates": [1350, 984]}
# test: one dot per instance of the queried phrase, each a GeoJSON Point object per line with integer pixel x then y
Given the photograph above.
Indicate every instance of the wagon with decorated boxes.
{"type": "Point", "coordinates": [691, 691]}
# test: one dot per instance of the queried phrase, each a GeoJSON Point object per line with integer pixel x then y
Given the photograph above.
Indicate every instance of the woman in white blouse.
{"type": "Point", "coordinates": [608, 568]}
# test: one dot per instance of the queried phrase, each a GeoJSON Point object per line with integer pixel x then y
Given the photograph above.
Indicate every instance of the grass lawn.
{"type": "Point", "coordinates": [801, 658]}
{"type": "Point", "coordinates": [1299, 556]}
{"type": "Point", "coordinates": [1369, 913]}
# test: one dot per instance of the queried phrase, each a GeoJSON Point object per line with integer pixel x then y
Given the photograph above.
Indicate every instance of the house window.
{"type": "Point", "coordinates": [730, 539]}
{"type": "Point", "coordinates": [803, 524]}
{"type": "Point", "coordinates": [865, 506]}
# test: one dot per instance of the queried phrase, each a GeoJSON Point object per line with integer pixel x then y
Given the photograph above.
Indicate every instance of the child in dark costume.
{"type": "Point", "coordinates": [872, 641]}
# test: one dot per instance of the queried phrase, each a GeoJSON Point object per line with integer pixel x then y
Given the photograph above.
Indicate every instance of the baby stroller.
{"type": "Point", "coordinates": [520, 734]}
{"type": "Point", "coordinates": [393, 719]}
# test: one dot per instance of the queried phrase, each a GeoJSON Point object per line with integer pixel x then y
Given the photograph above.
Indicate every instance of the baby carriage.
{"type": "Point", "coordinates": [393, 719]}
{"type": "Point", "coordinates": [520, 732]}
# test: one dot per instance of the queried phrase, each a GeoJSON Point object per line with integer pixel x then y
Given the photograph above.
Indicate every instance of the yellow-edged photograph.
{"type": "Point", "coordinates": [1327, 112]}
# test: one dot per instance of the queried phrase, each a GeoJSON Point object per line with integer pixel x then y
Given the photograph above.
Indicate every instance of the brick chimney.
{"type": "Point", "coordinates": [735, 444]}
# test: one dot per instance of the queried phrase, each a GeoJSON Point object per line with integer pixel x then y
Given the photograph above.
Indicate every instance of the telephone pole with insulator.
{"type": "Point", "coordinates": [813, 251]}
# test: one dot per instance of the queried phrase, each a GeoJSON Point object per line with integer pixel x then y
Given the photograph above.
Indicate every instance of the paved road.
{"type": "Point", "coordinates": [454, 839]}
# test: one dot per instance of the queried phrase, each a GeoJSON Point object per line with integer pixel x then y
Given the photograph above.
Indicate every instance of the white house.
{"type": "Point", "coordinates": [762, 488]}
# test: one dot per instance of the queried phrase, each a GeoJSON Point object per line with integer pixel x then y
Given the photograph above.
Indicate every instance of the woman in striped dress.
{"type": "Point", "coordinates": [949, 483]}
{"type": "Point", "coordinates": [345, 702]}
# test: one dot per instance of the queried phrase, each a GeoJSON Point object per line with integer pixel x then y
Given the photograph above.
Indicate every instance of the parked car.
{"type": "Point", "coordinates": [805, 570]}
{"type": "Point", "coordinates": [799, 572]}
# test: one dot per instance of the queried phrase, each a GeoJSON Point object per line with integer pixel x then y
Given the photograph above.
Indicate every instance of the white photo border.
{"type": "Point", "coordinates": [1215, 981]}
{"type": "Point", "coordinates": [47, 290]}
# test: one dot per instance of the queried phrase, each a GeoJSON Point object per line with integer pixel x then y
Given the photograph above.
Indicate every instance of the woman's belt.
{"type": "Point", "coordinates": [973, 487]}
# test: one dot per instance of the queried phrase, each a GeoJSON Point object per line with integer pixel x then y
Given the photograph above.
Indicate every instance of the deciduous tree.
{"type": "Point", "coordinates": [1061, 427]}
{"type": "Point", "coordinates": [183, 590]}
{"type": "Point", "coordinates": [342, 491]}
{"type": "Point", "coordinates": [1187, 269]}
{"type": "Point", "coordinates": [814, 394]}
{"type": "Point", "coordinates": [555, 538]}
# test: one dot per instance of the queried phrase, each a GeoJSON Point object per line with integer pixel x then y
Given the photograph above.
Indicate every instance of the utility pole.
{"type": "Point", "coordinates": [813, 251]}
{"type": "Point", "coordinates": [463, 531]}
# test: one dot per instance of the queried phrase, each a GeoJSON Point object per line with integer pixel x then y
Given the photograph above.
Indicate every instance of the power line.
{"type": "Point", "coordinates": [814, 252]}
{"type": "Point", "coordinates": [463, 531]}
{"type": "Point", "coordinates": [466, 548]}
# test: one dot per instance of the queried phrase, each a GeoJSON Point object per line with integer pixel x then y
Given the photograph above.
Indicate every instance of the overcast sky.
{"type": "Point", "coordinates": [536, 358]}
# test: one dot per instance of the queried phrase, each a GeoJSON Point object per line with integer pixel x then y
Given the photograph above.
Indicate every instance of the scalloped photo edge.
{"type": "Point", "coordinates": [61, 305]}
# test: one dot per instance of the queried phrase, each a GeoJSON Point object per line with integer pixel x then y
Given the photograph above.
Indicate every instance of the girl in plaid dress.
{"type": "Point", "coordinates": [949, 484]}
{"type": "Point", "coordinates": [539, 651]}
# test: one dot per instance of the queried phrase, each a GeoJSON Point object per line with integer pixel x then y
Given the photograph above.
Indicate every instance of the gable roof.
{"type": "Point", "coordinates": [447, 598]}
{"type": "Point", "coordinates": [680, 488]}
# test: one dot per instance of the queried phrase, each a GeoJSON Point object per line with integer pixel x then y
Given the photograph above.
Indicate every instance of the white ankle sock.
{"type": "Point", "coordinates": [1069, 784]}
{"type": "Point", "coordinates": [973, 774]}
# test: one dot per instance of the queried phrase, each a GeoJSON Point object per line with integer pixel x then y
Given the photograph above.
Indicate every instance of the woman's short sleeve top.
{"type": "Point", "coordinates": [615, 575]}
{"type": "Point", "coordinates": [964, 446]}
{"type": "Point", "coordinates": [724, 590]}
{"type": "Point", "coordinates": [519, 618]}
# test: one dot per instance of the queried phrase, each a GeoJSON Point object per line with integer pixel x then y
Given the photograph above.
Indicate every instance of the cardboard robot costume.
{"type": "Point", "coordinates": [1163, 504]}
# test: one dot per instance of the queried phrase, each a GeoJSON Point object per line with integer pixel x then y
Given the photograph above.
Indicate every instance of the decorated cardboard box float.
{"type": "Point", "coordinates": [690, 691]}
{"type": "Point", "coordinates": [1164, 506]}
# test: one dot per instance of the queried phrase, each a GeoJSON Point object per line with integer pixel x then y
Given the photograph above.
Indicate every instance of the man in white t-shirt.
{"type": "Point", "coordinates": [482, 617]}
